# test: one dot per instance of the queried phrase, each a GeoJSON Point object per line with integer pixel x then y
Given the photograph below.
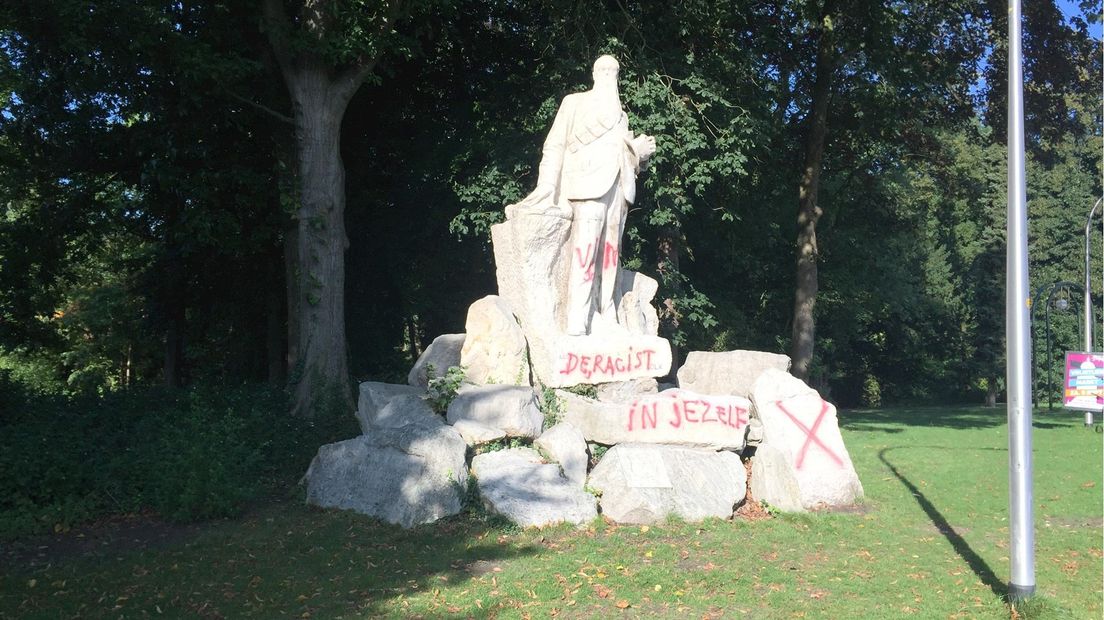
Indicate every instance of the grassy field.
{"type": "Point", "coordinates": [930, 541]}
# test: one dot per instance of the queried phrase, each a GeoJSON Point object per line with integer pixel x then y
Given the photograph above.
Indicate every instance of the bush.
{"type": "Point", "coordinates": [187, 454]}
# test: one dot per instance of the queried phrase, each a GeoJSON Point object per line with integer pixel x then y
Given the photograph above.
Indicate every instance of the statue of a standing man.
{"type": "Point", "coordinates": [590, 160]}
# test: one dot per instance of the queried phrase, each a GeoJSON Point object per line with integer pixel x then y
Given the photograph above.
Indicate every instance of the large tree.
{"type": "Point", "coordinates": [325, 50]}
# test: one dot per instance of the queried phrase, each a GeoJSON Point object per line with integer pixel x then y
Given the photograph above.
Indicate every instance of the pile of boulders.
{"type": "Point", "coordinates": [538, 406]}
{"type": "Point", "coordinates": [529, 450]}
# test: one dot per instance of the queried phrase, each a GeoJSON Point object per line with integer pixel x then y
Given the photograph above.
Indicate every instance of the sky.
{"type": "Point", "coordinates": [1070, 9]}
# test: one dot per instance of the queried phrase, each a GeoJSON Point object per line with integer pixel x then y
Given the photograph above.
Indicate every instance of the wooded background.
{"type": "Point", "coordinates": [301, 192]}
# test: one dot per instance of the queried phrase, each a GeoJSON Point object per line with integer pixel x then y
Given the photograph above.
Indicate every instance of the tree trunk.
{"type": "Point", "coordinates": [319, 95]}
{"type": "Point", "coordinates": [991, 392]}
{"type": "Point", "coordinates": [322, 380]}
{"type": "Point", "coordinates": [809, 212]}
{"type": "Point", "coordinates": [291, 289]}
{"type": "Point", "coordinates": [668, 265]}
{"type": "Point", "coordinates": [176, 317]}
{"type": "Point", "coordinates": [275, 329]}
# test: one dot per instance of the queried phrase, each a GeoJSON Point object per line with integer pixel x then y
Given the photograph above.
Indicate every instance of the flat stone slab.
{"type": "Point", "coordinates": [729, 372]}
{"type": "Point", "coordinates": [576, 360]}
{"type": "Point", "coordinates": [390, 405]}
{"type": "Point", "coordinates": [673, 416]}
{"type": "Point", "coordinates": [509, 408]}
{"type": "Point", "coordinates": [643, 483]}
{"type": "Point", "coordinates": [409, 475]}
{"type": "Point", "coordinates": [802, 463]}
{"type": "Point", "coordinates": [516, 484]}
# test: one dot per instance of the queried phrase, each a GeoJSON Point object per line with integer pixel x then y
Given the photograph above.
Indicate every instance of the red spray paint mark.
{"type": "Point", "coordinates": [811, 434]}
{"type": "Point", "coordinates": [586, 261]}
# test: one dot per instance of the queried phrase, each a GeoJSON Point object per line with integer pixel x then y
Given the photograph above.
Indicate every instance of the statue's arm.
{"type": "Point", "coordinates": [548, 174]}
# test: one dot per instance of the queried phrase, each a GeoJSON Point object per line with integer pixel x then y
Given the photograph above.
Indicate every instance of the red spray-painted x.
{"type": "Point", "coordinates": [811, 434]}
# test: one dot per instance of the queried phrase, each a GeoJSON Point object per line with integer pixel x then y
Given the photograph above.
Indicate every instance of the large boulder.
{"type": "Point", "coordinates": [730, 372]}
{"type": "Point", "coordinates": [802, 463]}
{"type": "Point", "coordinates": [675, 417]}
{"type": "Point", "coordinates": [611, 354]}
{"type": "Point", "coordinates": [509, 408]}
{"type": "Point", "coordinates": [516, 484]}
{"type": "Point", "coordinates": [643, 483]}
{"type": "Point", "coordinates": [494, 349]}
{"type": "Point", "coordinates": [375, 408]}
{"type": "Point", "coordinates": [442, 354]}
{"type": "Point", "coordinates": [531, 268]}
{"type": "Point", "coordinates": [567, 446]}
{"type": "Point", "coordinates": [409, 475]}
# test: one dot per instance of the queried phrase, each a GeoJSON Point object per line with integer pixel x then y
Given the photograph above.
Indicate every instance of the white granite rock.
{"type": "Point", "coordinates": [516, 484]}
{"type": "Point", "coordinates": [676, 417]}
{"type": "Point", "coordinates": [409, 475]}
{"type": "Point", "coordinates": [443, 353]}
{"type": "Point", "coordinates": [406, 409]}
{"type": "Point", "coordinates": [730, 372]}
{"type": "Point", "coordinates": [374, 398]}
{"type": "Point", "coordinates": [509, 408]}
{"type": "Point", "coordinates": [613, 355]}
{"type": "Point", "coordinates": [623, 391]}
{"type": "Point", "coordinates": [494, 349]}
{"type": "Point", "coordinates": [802, 461]}
{"type": "Point", "coordinates": [635, 310]}
{"type": "Point", "coordinates": [475, 433]}
{"type": "Point", "coordinates": [644, 483]}
{"type": "Point", "coordinates": [566, 445]}
{"type": "Point", "coordinates": [531, 268]}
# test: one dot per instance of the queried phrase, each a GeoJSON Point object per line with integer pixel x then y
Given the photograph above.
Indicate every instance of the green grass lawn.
{"type": "Point", "coordinates": [930, 541]}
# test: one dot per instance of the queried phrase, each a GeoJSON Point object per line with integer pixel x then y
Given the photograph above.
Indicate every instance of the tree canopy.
{"type": "Point", "coordinates": [161, 218]}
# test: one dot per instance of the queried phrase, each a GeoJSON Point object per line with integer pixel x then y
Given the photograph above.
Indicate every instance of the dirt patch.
{"type": "Point", "coordinates": [479, 568]}
{"type": "Point", "coordinates": [117, 534]}
{"type": "Point", "coordinates": [1074, 522]}
{"type": "Point", "coordinates": [849, 509]}
{"type": "Point", "coordinates": [750, 509]}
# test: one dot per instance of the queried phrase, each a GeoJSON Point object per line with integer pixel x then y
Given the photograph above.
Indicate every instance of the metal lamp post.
{"type": "Point", "coordinates": [1017, 303]}
{"type": "Point", "coordinates": [1088, 339]}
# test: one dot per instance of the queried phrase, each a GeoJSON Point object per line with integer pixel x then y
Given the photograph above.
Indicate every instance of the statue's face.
{"type": "Point", "coordinates": [605, 71]}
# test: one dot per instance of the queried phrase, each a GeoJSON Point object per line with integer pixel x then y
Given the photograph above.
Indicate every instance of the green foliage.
{"type": "Point", "coordinates": [190, 454]}
{"type": "Point", "coordinates": [586, 390]}
{"type": "Point", "coordinates": [442, 390]}
{"type": "Point", "coordinates": [597, 451]}
{"type": "Point", "coordinates": [505, 443]}
{"type": "Point", "coordinates": [551, 406]}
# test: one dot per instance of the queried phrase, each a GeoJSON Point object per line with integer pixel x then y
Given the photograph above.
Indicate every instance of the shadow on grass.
{"type": "Point", "coordinates": [961, 547]}
{"type": "Point", "coordinates": [283, 559]}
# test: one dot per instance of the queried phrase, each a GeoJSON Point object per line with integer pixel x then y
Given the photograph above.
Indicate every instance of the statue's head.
{"type": "Point", "coordinates": [605, 70]}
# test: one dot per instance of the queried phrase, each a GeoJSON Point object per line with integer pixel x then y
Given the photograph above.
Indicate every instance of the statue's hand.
{"type": "Point", "coordinates": [645, 146]}
{"type": "Point", "coordinates": [543, 194]}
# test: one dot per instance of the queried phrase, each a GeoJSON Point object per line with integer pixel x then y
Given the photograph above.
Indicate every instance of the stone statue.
{"type": "Point", "coordinates": [588, 170]}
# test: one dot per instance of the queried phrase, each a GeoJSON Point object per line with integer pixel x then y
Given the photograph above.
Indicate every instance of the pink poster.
{"type": "Point", "coordinates": [1084, 386]}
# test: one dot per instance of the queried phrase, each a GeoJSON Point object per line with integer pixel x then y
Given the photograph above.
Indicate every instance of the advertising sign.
{"type": "Point", "coordinates": [1084, 386]}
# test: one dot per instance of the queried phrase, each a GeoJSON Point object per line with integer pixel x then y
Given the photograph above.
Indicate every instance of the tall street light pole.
{"type": "Point", "coordinates": [1087, 309]}
{"type": "Point", "coordinates": [1017, 331]}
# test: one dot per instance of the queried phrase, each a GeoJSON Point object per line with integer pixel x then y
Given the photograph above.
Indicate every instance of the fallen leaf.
{"type": "Point", "coordinates": [623, 604]}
